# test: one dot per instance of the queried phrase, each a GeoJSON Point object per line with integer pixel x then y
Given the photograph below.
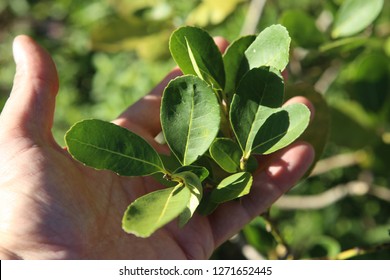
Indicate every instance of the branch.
{"type": "Point", "coordinates": [359, 251]}
{"type": "Point", "coordinates": [327, 78]}
{"type": "Point", "coordinates": [253, 16]}
{"type": "Point", "coordinates": [318, 201]}
{"type": "Point", "coordinates": [283, 250]}
{"type": "Point", "coordinates": [338, 161]}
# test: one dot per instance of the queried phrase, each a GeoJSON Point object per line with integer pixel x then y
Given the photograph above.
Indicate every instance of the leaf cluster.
{"type": "Point", "coordinates": [223, 111]}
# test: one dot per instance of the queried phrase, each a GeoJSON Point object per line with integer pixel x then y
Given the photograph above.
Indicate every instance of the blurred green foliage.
{"type": "Point", "coordinates": [109, 53]}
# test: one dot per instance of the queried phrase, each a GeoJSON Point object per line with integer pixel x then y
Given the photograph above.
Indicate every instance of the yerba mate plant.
{"type": "Point", "coordinates": [224, 110]}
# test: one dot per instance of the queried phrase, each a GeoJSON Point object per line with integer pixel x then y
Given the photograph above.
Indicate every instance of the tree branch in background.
{"type": "Point", "coordinates": [253, 16]}
{"type": "Point", "coordinates": [338, 161]}
{"type": "Point", "coordinates": [325, 199]}
{"type": "Point", "coordinates": [359, 251]}
{"type": "Point", "coordinates": [283, 250]}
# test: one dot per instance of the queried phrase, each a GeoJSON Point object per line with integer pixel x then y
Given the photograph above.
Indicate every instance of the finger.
{"type": "Point", "coordinates": [302, 100]}
{"type": "Point", "coordinates": [221, 43]}
{"type": "Point", "coordinates": [144, 116]}
{"type": "Point", "coordinates": [29, 110]}
{"type": "Point", "coordinates": [287, 167]}
{"type": "Point", "coordinates": [264, 160]}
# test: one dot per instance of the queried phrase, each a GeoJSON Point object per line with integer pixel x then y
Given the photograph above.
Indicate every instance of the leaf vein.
{"type": "Point", "coordinates": [115, 153]}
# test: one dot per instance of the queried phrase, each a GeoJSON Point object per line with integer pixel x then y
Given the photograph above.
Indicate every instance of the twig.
{"type": "Point", "coordinates": [253, 16]}
{"type": "Point", "coordinates": [381, 193]}
{"type": "Point", "coordinates": [318, 201]}
{"type": "Point", "coordinates": [251, 253]}
{"type": "Point", "coordinates": [358, 251]}
{"type": "Point", "coordinates": [283, 249]}
{"type": "Point", "coordinates": [337, 161]}
{"type": "Point", "coordinates": [327, 78]}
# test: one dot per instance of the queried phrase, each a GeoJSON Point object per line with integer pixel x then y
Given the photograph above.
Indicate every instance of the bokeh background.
{"type": "Point", "coordinates": [109, 53]}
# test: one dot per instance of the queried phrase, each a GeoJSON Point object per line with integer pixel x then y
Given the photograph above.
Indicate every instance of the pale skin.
{"type": "Point", "coordinates": [53, 207]}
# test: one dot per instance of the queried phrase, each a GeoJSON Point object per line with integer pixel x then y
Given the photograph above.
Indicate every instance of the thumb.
{"type": "Point", "coordinates": [29, 110]}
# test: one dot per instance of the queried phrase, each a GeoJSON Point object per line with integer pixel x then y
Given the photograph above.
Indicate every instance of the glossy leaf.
{"type": "Point", "coordinates": [154, 210]}
{"type": "Point", "coordinates": [258, 94]}
{"type": "Point", "coordinates": [227, 154]}
{"type": "Point", "coordinates": [234, 186]}
{"type": "Point", "coordinates": [271, 48]}
{"type": "Point", "coordinates": [193, 183]}
{"type": "Point", "coordinates": [281, 128]}
{"type": "Point", "coordinates": [195, 52]}
{"type": "Point", "coordinates": [104, 145]}
{"type": "Point", "coordinates": [234, 59]}
{"type": "Point", "coordinates": [190, 117]}
{"type": "Point", "coordinates": [354, 16]}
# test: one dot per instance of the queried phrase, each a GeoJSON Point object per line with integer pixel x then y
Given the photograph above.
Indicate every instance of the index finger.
{"type": "Point", "coordinates": [144, 116]}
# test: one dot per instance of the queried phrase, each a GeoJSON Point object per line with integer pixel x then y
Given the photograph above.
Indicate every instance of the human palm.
{"type": "Point", "coordinates": [53, 207]}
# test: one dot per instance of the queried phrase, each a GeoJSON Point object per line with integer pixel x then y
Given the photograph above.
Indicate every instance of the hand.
{"type": "Point", "coordinates": [53, 207]}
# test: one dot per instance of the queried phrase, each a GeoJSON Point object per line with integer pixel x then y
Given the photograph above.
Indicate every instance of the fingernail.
{"type": "Point", "coordinates": [17, 51]}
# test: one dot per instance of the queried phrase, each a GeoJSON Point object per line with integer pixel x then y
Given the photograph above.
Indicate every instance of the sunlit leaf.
{"type": "Point", "coordinates": [154, 210]}
{"type": "Point", "coordinates": [148, 38]}
{"type": "Point", "coordinates": [271, 48]}
{"type": "Point", "coordinates": [234, 186]}
{"type": "Point", "coordinates": [104, 145]}
{"type": "Point", "coordinates": [258, 94]}
{"type": "Point", "coordinates": [354, 16]}
{"type": "Point", "coordinates": [128, 8]}
{"type": "Point", "coordinates": [193, 183]}
{"type": "Point", "coordinates": [196, 53]}
{"type": "Point", "coordinates": [212, 12]}
{"type": "Point", "coordinates": [227, 154]}
{"type": "Point", "coordinates": [281, 128]}
{"type": "Point", "coordinates": [201, 172]}
{"type": "Point", "coordinates": [190, 117]}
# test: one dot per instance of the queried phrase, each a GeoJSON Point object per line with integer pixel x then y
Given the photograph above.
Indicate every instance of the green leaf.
{"type": "Point", "coordinates": [195, 52]}
{"type": "Point", "coordinates": [232, 187]}
{"type": "Point", "coordinates": [302, 28]}
{"type": "Point", "coordinates": [344, 45]}
{"type": "Point", "coordinates": [354, 16]}
{"type": "Point", "coordinates": [201, 172]}
{"type": "Point", "coordinates": [190, 117]}
{"type": "Point", "coordinates": [152, 211]}
{"type": "Point", "coordinates": [233, 58]}
{"type": "Point", "coordinates": [271, 48]}
{"type": "Point", "coordinates": [216, 172]}
{"type": "Point", "coordinates": [227, 154]}
{"type": "Point", "coordinates": [193, 183]}
{"type": "Point", "coordinates": [131, 33]}
{"type": "Point", "coordinates": [212, 12]}
{"type": "Point", "coordinates": [258, 94]}
{"type": "Point", "coordinates": [104, 145]}
{"type": "Point", "coordinates": [347, 130]}
{"type": "Point", "coordinates": [206, 206]}
{"type": "Point", "coordinates": [281, 128]}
